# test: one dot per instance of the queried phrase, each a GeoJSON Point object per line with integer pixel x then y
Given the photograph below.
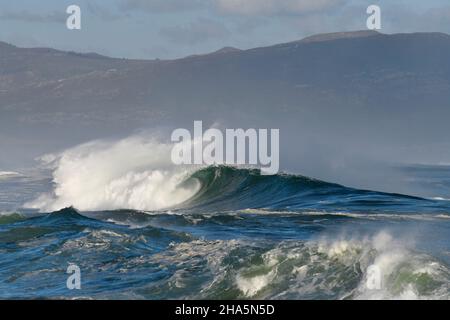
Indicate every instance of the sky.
{"type": "Point", "coordinates": [167, 29]}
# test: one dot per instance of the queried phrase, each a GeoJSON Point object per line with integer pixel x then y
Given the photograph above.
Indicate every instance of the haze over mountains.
{"type": "Point", "coordinates": [345, 102]}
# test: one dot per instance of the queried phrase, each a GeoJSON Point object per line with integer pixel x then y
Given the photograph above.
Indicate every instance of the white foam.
{"type": "Point", "coordinates": [393, 257]}
{"type": "Point", "coordinates": [8, 173]}
{"type": "Point", "coordinates": [440, 199]}
{"type": "Point", "coordinates": [251, 286]}
{"type": "Point", "coordinates": [133, 173]}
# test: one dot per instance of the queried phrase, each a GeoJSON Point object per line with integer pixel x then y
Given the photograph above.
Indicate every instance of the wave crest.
{"type": "Point", "coordinates": [137, 173]}
{"type": "Point", "coordinates": [133, 173]}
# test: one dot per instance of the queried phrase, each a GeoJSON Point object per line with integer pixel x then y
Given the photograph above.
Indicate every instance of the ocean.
{"type": "Point", "coordinates": [232, 233]}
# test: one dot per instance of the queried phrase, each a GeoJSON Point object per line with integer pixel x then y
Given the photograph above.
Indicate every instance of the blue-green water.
{"type": "Point", "coordinates": [242, 235]}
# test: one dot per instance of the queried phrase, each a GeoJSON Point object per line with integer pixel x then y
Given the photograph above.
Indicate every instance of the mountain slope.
{"type": "Point", "coordinates": [335, 97]}
{"type": "Point", "coordinates": [339, 66]}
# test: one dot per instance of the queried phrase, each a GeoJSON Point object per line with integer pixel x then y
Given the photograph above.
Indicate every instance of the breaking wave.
{"type": "Point", "coordinates": [137, 173]}
{"type": "Point", "coordinates": [133, 173]}
{"type": "Point", "coordinates": [171, 232]}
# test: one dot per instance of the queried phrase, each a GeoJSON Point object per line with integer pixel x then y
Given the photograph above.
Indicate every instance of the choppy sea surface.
{"type": "Point", "coordinates": [240, 235]}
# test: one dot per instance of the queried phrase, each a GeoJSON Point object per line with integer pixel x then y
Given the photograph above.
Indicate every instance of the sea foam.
{"type": "Point", "coordinates": [132, 173]}
{"type": "Point", "coordinates": [8, 174]}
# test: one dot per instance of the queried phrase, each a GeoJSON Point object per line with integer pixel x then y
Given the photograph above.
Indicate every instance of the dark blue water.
{"type": "Point", "coordinates": [242, 235]}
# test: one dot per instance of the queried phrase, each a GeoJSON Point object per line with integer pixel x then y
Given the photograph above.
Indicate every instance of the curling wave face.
{"type": "Point", "coordinates": [225, 188]}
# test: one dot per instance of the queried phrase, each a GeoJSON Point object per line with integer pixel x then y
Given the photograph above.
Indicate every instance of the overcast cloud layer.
{"type": "Point", "coordinates": [177, 28]}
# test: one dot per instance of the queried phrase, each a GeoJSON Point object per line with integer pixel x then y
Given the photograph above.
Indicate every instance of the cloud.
{"type": "Point", "coordinates": [26, 16]}
{"type": "Point", "coordinates": [433, 19]}
{"type": "Point", "coordinates": [96, 9]}
{"type": "Point", "coordinates": [268, 7]}
{"type": "Point", "coordinates": [242, 7]}
{"type": "Point", "coordinates": [104, 12]}
{"type": "Point", "coordinates": [158, 6]}
{"type": "Point", "coordinates": [397, 17]}
{"type": "Point", "coordinates": [198, 31]}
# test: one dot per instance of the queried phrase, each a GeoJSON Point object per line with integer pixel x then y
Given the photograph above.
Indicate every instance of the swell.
{"type": "Point", "coordinates": [220, 189]}
{"type": "Point", "coordinates": [224, 188]}
{"type": "Point", "coordinates": [233, 188]}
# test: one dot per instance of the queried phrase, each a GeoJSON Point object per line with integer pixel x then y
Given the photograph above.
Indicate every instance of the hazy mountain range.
{"type": "Point", "coordinates": [345, 102]}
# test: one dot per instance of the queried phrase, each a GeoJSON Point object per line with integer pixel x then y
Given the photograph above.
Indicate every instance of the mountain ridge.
{"type": "Point", "coordinates": [315, 38]}
{"type": "Point", "coordinates": [357, 92]}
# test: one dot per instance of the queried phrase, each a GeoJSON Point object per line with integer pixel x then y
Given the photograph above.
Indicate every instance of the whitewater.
{"type": "Point", "coordinates": [140, 227]}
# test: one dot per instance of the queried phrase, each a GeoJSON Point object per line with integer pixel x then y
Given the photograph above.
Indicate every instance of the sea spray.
{"type": "Point", "coordinates": [133, 173]}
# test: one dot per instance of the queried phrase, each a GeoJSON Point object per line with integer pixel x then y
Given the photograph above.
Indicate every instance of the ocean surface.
{"type": "Point", "coordinates": [235, 235]}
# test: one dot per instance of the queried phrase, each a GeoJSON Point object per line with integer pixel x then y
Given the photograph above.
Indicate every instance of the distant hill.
{"type": "Point", "coordinates": [357, 90]}
{"type": "Point", "coordinates": [350, 67]}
